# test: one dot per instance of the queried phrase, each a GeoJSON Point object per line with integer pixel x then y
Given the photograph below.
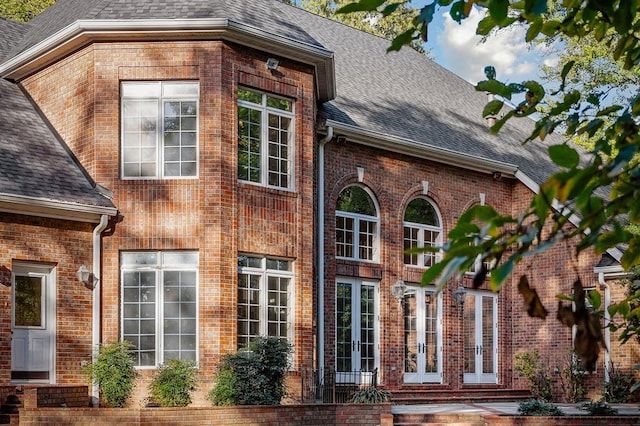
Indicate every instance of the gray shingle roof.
{"type": "Point", "coordinates": [12, 33]}
{"type": "Point", "coordinates": [33, 162]}
{"type": "Point", "coordinates": [402, 94]}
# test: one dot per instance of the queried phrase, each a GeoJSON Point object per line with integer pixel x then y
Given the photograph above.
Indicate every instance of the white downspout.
{"type": "Point", "coordinates": [607, 318]}
{"type": "Point", "coordinates": [322, 143]}
{"type": "Point", "coordinates": [95, 339]}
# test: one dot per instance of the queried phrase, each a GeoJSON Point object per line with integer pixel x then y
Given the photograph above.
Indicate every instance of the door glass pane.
{"type": "Point", "coordinates": [29, 306]}
{"type": "Point", "coordinates": [469, 331]}
{"type": "Point", "coordinates": [431, 332]}
{"type": "Point", "coordinates": [343, 327]}
{"type": "Point", "coordinates": [487, 335]}
{"type": "Point", "coordinates": [367, 328]}
{"type": "Point", "coordinates": [410, 334]}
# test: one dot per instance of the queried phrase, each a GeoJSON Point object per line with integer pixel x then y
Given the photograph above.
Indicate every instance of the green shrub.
{"type": "Point", "coordinates": [618, 388]}
{"type": "Point", "coordinates": [572, 378]}
{"type": "Point", "coordinates": [370, 395]}
{"type": "Point", "coordinates": [254, 376]}
{"type": "Point", "coordinates": [114, 373]}
{"type": "Point", "coordinates": [528, 364]}
{"type": "Point", "coordinates": [173, 383]}
{"type": "Point", "coordinates": [538, 407]}
{"type": "Point", "coordinates": [599, 408]}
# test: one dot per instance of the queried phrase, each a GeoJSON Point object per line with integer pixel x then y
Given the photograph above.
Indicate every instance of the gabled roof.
{"type": "Point", "coordinates": [12, 33]}
{"type": "Point", "coordinates": [399, 101]}
{"type": "Point", "coordinates": [37, 173]}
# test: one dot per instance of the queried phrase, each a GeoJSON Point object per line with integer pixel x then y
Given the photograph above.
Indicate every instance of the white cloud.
{"type": "Point", "coordinates": [463, 52]}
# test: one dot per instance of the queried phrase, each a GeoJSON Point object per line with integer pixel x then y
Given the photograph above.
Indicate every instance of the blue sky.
{"type": "Point", "coordinates": [457, 48]}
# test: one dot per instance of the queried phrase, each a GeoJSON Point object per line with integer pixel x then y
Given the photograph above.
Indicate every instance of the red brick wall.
{"type": "Point", "coordinates": [214, 214]}
{"type": "Point", "coordinates": [395, 180]}
{"type": "Point", "coordinates": [321, 415]}
{"type": "Point", "coordinates": [64, 245]}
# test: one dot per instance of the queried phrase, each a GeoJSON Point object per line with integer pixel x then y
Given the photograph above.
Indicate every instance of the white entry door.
{"type": "Point", "coordinates": [422, 335]}
{"type": "Point", "coordinates": [480, 337]}
{"type": "Point", "coordinates": [33, 324]}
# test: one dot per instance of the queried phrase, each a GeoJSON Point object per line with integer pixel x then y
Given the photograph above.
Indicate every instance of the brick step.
{"type": "Point", "coordinates": [415, 419]}
{"type": "Point", "coordinates": [417, 396]}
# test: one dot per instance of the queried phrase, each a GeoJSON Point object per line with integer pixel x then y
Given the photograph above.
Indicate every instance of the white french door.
{"type": "Point", "coordinates": [480, 337]}
{"type": "Point", "coordinates": [422, 335]}
{"type": "Point", "coordinates": [357, 330]}
{"type": "Point", "coordinates": [33, 324]}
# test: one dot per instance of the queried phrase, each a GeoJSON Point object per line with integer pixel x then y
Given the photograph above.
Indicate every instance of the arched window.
{"type": "Point", "coordinates": [357, 225]}
{"type": "Point", "coordinates": [422, 227]}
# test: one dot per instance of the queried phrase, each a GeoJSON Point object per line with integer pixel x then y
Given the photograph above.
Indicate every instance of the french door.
{"type": "Point", "coordinates": [422, 335]}
{"type": "Point", "coordinates": [357, 330]}
{"type": "Point", "coordinates": [480, 337]}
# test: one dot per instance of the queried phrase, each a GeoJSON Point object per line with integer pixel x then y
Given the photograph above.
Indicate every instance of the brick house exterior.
{"type": "Point", "coordinates": [194, 262]}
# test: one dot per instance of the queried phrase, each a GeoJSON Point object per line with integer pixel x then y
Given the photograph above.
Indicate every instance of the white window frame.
{"type": "Point", "coordinates": [160, 92]}
{"type": "Point", "coordinates": [478, 376]}
{"type": "Point", "coordinates": [421, 228]}
{"type": "Point", "coordinates": [264, 138]}
{"type": "Point", "coordinates": [358, 220]}
{"type": "Point", "coordinates": [263, 272]}
{"type": "Point", "coordinates": [420, 376]}
{"type": "Point", "coordinates": [356, 320]}
{"type": "Point", "coordinates": [162, 264]}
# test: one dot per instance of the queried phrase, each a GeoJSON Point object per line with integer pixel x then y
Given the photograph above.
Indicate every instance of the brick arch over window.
{"type": "Point", "coordinates": [422, 227]}
{"type": "Point", "coordinates": [357, 228]}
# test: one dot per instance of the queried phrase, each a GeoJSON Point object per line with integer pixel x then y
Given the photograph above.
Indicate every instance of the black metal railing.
{"type": "Point", "coordinates": [330, 386]}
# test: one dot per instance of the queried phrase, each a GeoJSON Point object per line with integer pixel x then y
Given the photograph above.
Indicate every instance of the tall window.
{"type": "Point", "coordinates": [159, 129]}
{"type": "Point", "coordinates": [480, 337]}
{"type": "Point", "coordinates": [422, 335]}
{"type": "Point", "coordinates": [357, 324]}
{"type": "Point", "coordinates": [422, 228]}
{"type": "Point", "coordinates": [265, 298]}
{"type": "Point", "coordinates": [265, 139]}
{"type": "Point", "coordinates": [159, 305]}
{"type": "Point", "coordinates": [357, 225]}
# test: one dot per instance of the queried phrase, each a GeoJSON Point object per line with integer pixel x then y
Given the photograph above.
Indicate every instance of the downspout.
{"type": "Point", "coordinates": [607, 318]}
{"type": "Point", "coordinates": [321, 240]}
{"type": "Point", "coordinates": [97, 298]}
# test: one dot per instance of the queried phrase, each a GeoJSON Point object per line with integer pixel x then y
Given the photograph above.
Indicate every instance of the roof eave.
{"type": "Point", "coordinates": [409, 147]}
{"type": "Point", "coordinates": [84, 32]}
{"type": "Point", "coordinates": [41, 207]}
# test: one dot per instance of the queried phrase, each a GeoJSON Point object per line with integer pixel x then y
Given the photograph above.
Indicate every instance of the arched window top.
{"type": "Point", "coordinates": [354, 199]}
{"type": "Point", "coordinates": [421, 211]}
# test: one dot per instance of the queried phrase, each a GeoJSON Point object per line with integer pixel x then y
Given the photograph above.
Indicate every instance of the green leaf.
{"type": "Point", "coordinates": [499, 10]}
{"type": "Point", "coordinates": [595, 299]}
{"type": "Point", "coordinates": [492, 108]}
{"type": "Point", "coordinates": [490, 72]}
{"type": "Point", "coordinates": [550, 28]}
{"type": "Point", "coordinates": [535, 7]}
{"type": "Point", "coordinates": [564, 156]}
{"type": "Point", "coordinates": [534, 29]}
{"type": "Point", "coordinates": [457, 11]}
{"type": "Point", "coordinates": [361, 6]}
{"type": "Point", "coordinates": [609, 110]}
{"type": "Point", "coordinates": [431, 274]}
{"type": "Point", "coordinates": [623, 16]}
{"type": "Point", "coordinates": [400, 40]}
{"type": "Point", "coordinates": [501, 273]}
{"type": "Point", "coordinates": [485, 26]}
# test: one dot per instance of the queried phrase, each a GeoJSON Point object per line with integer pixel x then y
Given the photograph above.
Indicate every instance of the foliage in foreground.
{"type": "Point", "coordinates": [173, 383]}
{"type": "Point", "coordinates": [114, 373]}
{"type": "Point", "coordinates": [254, 376]}
{"type": "Point", "coordinates": [618, 388]}
{"type": "Point", "coordinates": [572, 378]}
{"type": "Point", "coordinates": [370, 395]}
{"type": "Point", "coordinates": [537, 407]}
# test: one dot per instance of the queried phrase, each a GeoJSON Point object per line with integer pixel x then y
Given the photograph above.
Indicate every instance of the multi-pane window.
{"type": "Point", "coordinates": [422, 228]}
{"type": "Point", "coordinates": [265, 139]}
{"type": "Point", "coordinates": [160, 305]}
{"type": "Point", "coordinates": [265, 298]}
{"type": "Point", "coordinates": [357, 225]}
{"type": "Point", "coordinates": [422, 335]}
{"type": "Point", "coordinates": [159, 129]}
{"type": "Point", "coordinates": [480, 330]}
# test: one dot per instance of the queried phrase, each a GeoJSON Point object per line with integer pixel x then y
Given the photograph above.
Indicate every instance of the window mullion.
{"type": "Point", "coordinates": [264, 300]}
{"type": "Point", "coordinates": [159, 317]}
{"type": "Point", "coordinates": [264, 146]}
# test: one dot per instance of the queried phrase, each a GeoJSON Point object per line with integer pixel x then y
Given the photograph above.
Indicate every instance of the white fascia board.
{"type": "Point", "coordinates": [82, 32]}
{"type": "Point", "coordinates": [614, 271]}
{"type": "Point", "coordinates": [415, 149]}
{"type": "Point", "coordinates": [42, 207]}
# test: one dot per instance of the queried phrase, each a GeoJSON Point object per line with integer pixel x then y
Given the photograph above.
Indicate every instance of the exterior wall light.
{"type": "Point", "coordinates": [397, 291]}
{"type": "Point", "coordinates": [87, 278]}
{"type": "Point", "coordinates": [458, 296]}
{"type": "Point", "coordinates": [272, 64]}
